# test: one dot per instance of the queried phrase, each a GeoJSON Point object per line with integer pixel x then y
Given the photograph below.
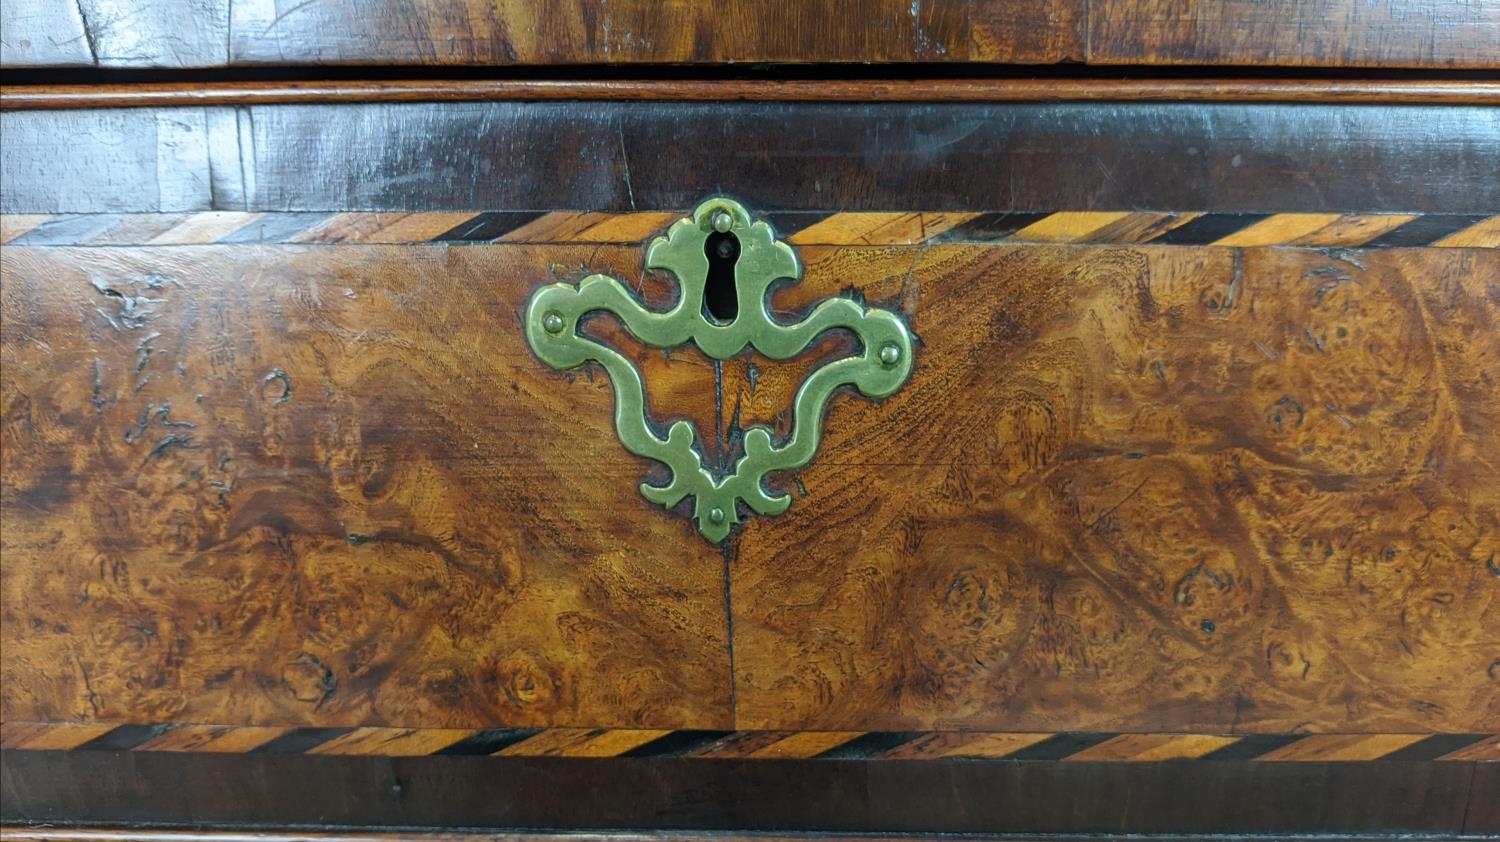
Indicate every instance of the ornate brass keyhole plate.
{"type": "Point", "coordinates": [881, 366]}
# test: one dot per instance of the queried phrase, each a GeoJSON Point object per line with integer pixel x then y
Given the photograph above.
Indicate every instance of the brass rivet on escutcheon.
{"type": "Point", "coordinates": [716, 515]}
{"type": "Point", "coordinates": [722, 221]}
{"type": "Point", "coordinates": [553, 322]}
{"type": "Point", "coordinates": [890, 354]}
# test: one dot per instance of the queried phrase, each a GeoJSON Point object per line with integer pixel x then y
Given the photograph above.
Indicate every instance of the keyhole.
{"type": "Point", "coordinates": [720, 295]}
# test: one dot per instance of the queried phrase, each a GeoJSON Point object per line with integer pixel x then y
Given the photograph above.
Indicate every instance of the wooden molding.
{"type": "Point", "coordinates": [1345, 91]}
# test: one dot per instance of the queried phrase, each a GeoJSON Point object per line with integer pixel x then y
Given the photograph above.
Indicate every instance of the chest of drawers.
{"type": "Point", "coordinates": [1003, 418]}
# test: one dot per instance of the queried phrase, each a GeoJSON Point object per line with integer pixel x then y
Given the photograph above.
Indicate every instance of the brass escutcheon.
{"type": "Point", "coordinates": [882, 365]}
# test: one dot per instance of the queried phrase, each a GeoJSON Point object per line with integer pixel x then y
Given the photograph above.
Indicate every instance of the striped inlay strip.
{"type": "Point", "coordinates": [750, 745]}
{"type": "Point", "coordinates": [802, 228]}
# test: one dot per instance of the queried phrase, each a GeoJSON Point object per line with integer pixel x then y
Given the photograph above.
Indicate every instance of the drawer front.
{"type": "Point", "coordinates": [1196, 461]}
{"type": "Point", "coordinates": [468, 33]}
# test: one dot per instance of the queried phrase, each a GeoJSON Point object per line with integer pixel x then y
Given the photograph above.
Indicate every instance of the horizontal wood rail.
{"type": "Point", "coordinates": [1345, 91]}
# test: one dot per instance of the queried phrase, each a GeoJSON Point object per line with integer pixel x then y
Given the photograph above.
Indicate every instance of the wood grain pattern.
{"type": "Point", "coordinates": [1141, 490]}
{"type": "Point", "coordinates": [50, 834]}
{"type": "Point", "coordinates": [1028, 32]}
{"type": "Point", "coordinates": [568, 32]}
{"type": "Point", "coordinates": [436, 33]}
{"type": "Point", "coordinates": [1184, 488]}
{"type": "Point", "coordinates": [331, 486]}
{"type": "Point", "coordinates": [51, 736]}
{"type": "Point", "coordinates": [213, 738]}
{"type": "Point", "coordinates": [1320, 33]}
{"type": "Point", "coordinates": [618, 156]}
{"type": "Point", "coordinates": [439, 32]}
{"type": "Point", "coordinates": [297, 532]}
{"type": "Point", "coordinates": [122, 160]}
{"type": "Point", "coordinates": [1343, 91]}
{"type": "Point", "coordinates": [1144, 748]}
{"type": "Point", "coordinates": [43, 33]}
{"type": "Point", "coordinates": [701, 744]}
{"type": "Point", "coordinates": [1230, 800]}
{"type": "Point", "coordinates": [1483, 815]}
{"type": "Point", "coordinates": [807, 228]}
{"type": "Point", "coordinates": [53, 834]}
{"type": "Point", "coordinates": [171, 34]}
{"type": "Point", "coordinates": [114, 33]}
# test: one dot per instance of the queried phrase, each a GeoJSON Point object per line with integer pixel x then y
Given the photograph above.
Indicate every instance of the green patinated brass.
{"type": "Point", "coordinates": [879, 369]}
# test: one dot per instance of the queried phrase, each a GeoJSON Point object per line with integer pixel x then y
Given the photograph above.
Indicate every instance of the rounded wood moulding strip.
{"type": "Point", "coordinates": [106, 834]}
{"type": "Point", "coordinates": [1345, 91]}
{"type": "Point", "coordinates": [45, 833]}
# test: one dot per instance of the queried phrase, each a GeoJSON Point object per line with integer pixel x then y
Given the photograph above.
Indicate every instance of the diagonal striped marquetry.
{"type": "Point", "coordinates": [800, 228]}
{"type": "Point", "coordinates": [749, 745]}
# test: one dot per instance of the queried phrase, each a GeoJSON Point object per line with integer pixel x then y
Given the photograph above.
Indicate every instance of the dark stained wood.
{"type": "Point", "coordinates": [209, 33]}
{"type": "Point", "coordinates": [1165, 798]}
{"type": "Point", "coordinates": [1278, 799]}
{"type": "Point", "coordinates": [1483, 815]}
{"type": "Point", "coordinates": [1312, 33]}
{"type": "Point", "coordinates": [773, 156]}
{"type": "Point", "coordinates": [55, 834]}
{"type": "Point", "coordinates": [1247, 490]}
{"type": "Point", "coordinates": [1341, 91]}
{"type": "Point", "coordinates": [464, 32]}
{"type": "Point", "coordinates": [332, 486]}
{"type": "Point", "coordinates": [1143, 490]}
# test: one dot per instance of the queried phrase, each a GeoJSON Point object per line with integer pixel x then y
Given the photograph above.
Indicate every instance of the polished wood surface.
{"type": "Point", "coordinates": [219, 33]}
{"type": "Point", "coordinates": [529, 156]}
{"type": "Point", "coordinates": [714, 745]}
{"type": "Point", "coordinates": [799, 228]}
{"type": "Point", "coordinates": [1176, 488]}
{"type": "Point", "coordinates": [1229, 799]}
{"type": "Point", "coordinates": [286, 486]}
{"type": "Point", "coordinates": [1146, 490]}
{"type": "Point", "coordinates": [1187, 522]}
{"type": "Point", "coordinates": [467, 32]}
{"type": "Point", "coordinates": [1309, 33]}
{"type": "Point", "coordinates": [45, 834]}
{"type": "Point", "coordinates": [555, 32]}
{"type": "Point", "coordinates": [1340, 91]}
